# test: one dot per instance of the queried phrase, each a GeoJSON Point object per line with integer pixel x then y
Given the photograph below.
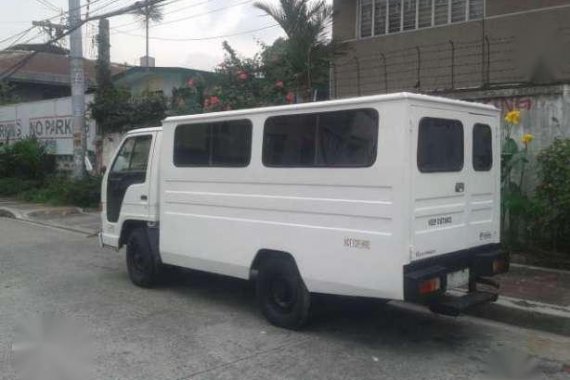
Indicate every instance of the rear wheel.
{"type": "Point", "coordinates": [144, 269]}
{"type": "Point", "coordinates": [283, 297]}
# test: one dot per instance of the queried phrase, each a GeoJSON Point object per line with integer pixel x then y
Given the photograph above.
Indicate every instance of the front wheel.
{"type": "Point", "coordinates": [283, 298]}
{"type": "Point", "coordinates": [143, 268]}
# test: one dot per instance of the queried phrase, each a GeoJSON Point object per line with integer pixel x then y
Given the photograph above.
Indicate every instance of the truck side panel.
{"type": "Point", "coordinates": [344, 227]}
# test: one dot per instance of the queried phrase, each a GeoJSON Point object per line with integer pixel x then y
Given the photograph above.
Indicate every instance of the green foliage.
{"type": "Point", "coordinates": [10, 187]}
{"type": "Point", "coordinates": [188, 100]}
{"type": "Point", "coordinates": [553, 193]}
{"type": "Point", "coordinates": [6, 94]}
{"type": "Point", "coordinates": [307, 52]}
{"type": "Point", "coordinates": [115, 110]}
{"type": "Point", "coordinates": [25, 159]}
{"type": "Point", "coordinates": [64, 191]}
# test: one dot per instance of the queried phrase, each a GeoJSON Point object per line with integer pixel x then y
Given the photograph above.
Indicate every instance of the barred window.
{"type": "Point", "coordinates": [441, 12]}
{"type": "Point", "coordinates": [458, 10]}
{"type": "Point", "coordinates": [476, 9]}
{"type": "Point", "coordinates": [409, 14]}
{"type": "Point", "coordinates": [378, 17]}
{"type": "Point", "coordinates": [394, 15]}
{"type": "Point", "coordinates": [425, 12]}
{"type": "Point", "coordinates": [366, 18]}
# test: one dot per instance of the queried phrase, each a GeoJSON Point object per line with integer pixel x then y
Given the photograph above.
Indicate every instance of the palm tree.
{"type": "Point", "coordinates": [308, 49]}
{"type": "Point", "coordinates": [149, 11]}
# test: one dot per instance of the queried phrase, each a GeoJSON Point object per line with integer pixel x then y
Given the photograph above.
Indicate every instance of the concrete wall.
{"type": "Point", "coordinates": [530, 47]}
{"type": "Point", "coordinates": [48, 120]}
{"type": "Point", "coordinates": [545, 112]}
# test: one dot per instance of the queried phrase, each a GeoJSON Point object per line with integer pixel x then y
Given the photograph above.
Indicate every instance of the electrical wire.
{"type": "Point", "coordinates": [194, 16]}
{"type": "Point", "coordinates": [167, 13]}
{"type": "Point", "coordinates": [202, 38]}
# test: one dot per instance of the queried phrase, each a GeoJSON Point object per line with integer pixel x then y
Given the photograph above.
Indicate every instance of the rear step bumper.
{"type": "Point", "coordinates": [425, 281]}
{"type": "Point", "coordinates": [456, 305]}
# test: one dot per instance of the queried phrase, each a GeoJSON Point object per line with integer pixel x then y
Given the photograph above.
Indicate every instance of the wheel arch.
{"type": "Point", "coordinates": [268, 254]}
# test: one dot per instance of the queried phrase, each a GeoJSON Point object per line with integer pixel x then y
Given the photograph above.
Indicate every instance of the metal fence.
{"type": "Point", "coordinates": [444, 66]}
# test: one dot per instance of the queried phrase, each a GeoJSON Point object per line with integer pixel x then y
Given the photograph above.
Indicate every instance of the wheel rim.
{"type": "Point", "coordinates": [282, 294]}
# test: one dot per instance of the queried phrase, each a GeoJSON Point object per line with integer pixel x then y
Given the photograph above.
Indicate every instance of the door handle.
{"type": "Point", "coordinates": [144, 198]}
{"type": "Point", "coordinates": [460, 187]}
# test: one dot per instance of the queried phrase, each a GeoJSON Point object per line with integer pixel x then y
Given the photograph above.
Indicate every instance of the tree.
{"type": "Point", "coordinates": [149, 11]}
{"type": "Point", "coordinates": [307, 49]}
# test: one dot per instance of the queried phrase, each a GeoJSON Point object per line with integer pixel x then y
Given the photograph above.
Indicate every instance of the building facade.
{"type": "Point", "coordinates": [446, 45]}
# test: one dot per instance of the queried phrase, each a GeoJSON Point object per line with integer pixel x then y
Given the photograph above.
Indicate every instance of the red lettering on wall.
{"type": "Point", "coordinates": [509, 104]}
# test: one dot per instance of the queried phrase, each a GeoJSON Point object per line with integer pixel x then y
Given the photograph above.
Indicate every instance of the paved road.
{"type": "Point", "coordinates": [201, 326]}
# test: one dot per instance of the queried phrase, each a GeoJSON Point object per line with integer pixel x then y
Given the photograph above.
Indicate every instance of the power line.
{"type": "Point", "coordinates": [202, 38]}
{"type": "Point", "coordinates": [17, 35]}
{"type": "Point", "coordinates": [194, 16]}
{"type": "Point", "coordinates": [49, 5]}
{"type": "Point", "coordinates": [167, 13]}
{"type": "Point", "coordinates": [14, 68]}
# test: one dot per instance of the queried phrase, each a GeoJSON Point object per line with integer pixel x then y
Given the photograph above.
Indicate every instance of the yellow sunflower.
{"type": "Point", "coordinates": [513, 117]}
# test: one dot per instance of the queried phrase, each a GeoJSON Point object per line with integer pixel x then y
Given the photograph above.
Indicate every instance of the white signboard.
{"type": "Point", "coordinates": [48, 120]}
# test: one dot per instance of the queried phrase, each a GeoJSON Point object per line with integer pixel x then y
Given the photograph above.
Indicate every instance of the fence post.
{"type": "Point", "coordinates": [452, 64]}
{"type": "Point", "coordinates": [385, 72]}
{"type": "Point", "coordinates": [488, 77]}
{"type": "Point", "coordinates": [333, 84]}
{"type": "Point", "coordinates": [418, 83]}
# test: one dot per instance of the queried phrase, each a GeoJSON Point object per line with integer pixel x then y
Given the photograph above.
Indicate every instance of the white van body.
{"type": "Point", "coordinates": [350, 230]}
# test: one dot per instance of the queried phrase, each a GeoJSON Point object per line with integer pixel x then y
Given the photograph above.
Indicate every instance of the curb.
{"type": "Point", "coordinates": [25, 216]}
{"type": "Point", "coordinates": [528, 314]}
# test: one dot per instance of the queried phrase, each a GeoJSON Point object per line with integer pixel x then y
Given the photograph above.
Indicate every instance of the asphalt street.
{"type": "Point", "coordinates": [200, 326]}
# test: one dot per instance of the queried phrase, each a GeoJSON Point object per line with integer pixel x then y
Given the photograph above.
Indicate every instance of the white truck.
{"type": "Point", "coordinates": [393, 197]}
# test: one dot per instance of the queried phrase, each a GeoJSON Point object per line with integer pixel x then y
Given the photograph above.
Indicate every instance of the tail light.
{"type": "Point", "coordinates": [430, 286]}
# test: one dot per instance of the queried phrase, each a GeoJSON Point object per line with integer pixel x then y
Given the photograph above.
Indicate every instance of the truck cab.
{"type": "Point", "coordinates": [129, 195]}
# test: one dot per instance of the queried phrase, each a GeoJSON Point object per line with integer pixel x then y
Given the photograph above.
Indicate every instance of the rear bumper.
{"type": "Point", "coordinates": [483, 261]}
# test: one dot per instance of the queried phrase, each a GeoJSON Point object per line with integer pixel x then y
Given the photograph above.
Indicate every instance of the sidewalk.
{"type": "Point", "coordinates": [66, 217]}
{"type": "Point", "coordinates": [531, 297]}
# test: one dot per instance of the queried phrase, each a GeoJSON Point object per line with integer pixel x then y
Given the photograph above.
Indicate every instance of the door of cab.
{"type": "Point", "coordinates": [126, 195]}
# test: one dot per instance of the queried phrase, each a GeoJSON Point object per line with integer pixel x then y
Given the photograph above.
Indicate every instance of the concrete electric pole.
{"type": "Point", "coordinates": [77, 78]}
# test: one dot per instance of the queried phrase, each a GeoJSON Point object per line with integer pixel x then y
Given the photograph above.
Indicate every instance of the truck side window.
{"type": "Point", "coordinates": [326, 139]}
{"type": "Point", "coordinates": [482, 148]}
{"type": "Point", "coordinates": [218, 144]}
{"type": "Point", "coordinates": [133, 156]}
{"type": "Point", "coordinates": [440, 145]}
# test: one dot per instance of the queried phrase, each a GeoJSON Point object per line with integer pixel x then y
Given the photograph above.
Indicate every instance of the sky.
{"type": "Point", "coordinates": [170, 43]}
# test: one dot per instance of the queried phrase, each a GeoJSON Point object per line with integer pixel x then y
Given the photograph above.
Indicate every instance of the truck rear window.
{"type": "Point", "coordinates": [440, 145]}
{"type": "Point", "coordinates": [482, 148]}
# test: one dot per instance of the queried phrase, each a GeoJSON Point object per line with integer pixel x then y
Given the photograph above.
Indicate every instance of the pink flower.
{"type": "Point", "coordinates": [191, 83]}
{"type": "Point", "coordinates": [242, 75]}
{"type": "Point", "coordinates": [290, 97]}
{"type": "Point", "coordinates": [214, 101]}
{"type": "Point", "coordinates": [279, 84]}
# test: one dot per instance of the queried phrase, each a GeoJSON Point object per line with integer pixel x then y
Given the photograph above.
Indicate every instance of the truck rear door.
{"type": "Point", "coordinates": [454, 181]}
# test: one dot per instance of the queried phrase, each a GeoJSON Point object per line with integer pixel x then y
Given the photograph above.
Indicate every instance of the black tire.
{"type": "Point", "coordinates": [281, 293]}
{"type": "Point", "coordinates": [144, 270]}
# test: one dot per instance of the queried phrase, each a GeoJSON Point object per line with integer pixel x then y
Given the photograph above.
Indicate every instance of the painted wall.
{"type": "Point", "coordinates": [48, 120]}
{"type": "Point", "coordinates": [545, 114]}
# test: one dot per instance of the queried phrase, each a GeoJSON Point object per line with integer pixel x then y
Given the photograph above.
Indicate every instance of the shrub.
{"type": "Point", "coordinates": [15, 186]}
{"type": "Point", "coordinates": [63, 191]}
{"type": "Point", "coordinates": [553, 191]}
{"type": "Point", "coordinates": [25, 159]}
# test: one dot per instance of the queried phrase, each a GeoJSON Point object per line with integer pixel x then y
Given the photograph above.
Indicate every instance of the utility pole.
{"type": "Point", "coordinates": [77, 78]}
